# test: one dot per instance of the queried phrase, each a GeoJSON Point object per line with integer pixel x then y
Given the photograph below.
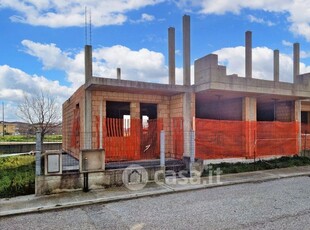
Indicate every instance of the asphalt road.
{"type": "Point", "coordinates": [280, 204]}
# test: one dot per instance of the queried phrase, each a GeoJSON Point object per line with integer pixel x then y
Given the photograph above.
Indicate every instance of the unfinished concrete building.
{"type": "Point", "coordinates": [231, 116]}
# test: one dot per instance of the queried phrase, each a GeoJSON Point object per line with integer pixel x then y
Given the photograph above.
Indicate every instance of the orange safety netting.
{"type": "Point", "coordinates": [305, 136]}
{"type": "Point", "coordinates": [232, 139]}
{"type": "Point", "coordinates": [75, 137]}
{"type": "Point", "coordinates": [277, 138]}
{"type": "Point", "coordinates": [125, 140]}
{"type": "Point", "coordinates": [305, 128]}
{"type": "Point", "coordinates": [220, 139]}
{"type": "Point", "coordinates": [177, 137]}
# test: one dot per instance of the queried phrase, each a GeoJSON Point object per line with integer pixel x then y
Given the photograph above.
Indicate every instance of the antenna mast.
{"type": "Point", "coordinates": [90, 26]}
{"type": "Point", "coordinates": [86, 26]}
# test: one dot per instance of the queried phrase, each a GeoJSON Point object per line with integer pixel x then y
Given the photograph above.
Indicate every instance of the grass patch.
{"type": "Point", "coordinates": [283, 162]}
{"type": "Point", "coordinates": [19, 138]}
{"type": "Point", "coordinates": [17, 176]}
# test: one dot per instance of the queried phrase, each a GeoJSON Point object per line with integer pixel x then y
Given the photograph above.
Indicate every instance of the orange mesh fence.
{"type": "Point", "coordinates": [305, 128]}
{"type": "Point", "coordinates": [305, 142]}
{"type": "Point", "coordinates": [75, 137]}
{"type": "Point", "coordinates": [220, 139]}
{"type": "Point", "coordinates": [277, 138]}
{"type": "Point", "coordinates": [177, 148]}
{"type": "Point", "coordinates": [217, 139]}
{"type": "Point", "coordinates": [125, 140]}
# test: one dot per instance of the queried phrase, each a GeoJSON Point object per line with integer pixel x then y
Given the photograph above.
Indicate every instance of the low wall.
{"type": "Point", "coordinates": [50, 184]}
{"type": "Point", "coordinates": [24, 147]}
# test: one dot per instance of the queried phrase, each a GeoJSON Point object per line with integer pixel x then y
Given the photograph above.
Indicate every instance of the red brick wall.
{"type": "Point", "coordinates": [68, 120]}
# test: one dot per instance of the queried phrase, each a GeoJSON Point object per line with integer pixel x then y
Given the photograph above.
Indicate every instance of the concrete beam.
{"type": "Point", "coordinates": [171, 54]}
{"type": "Point", "coordinates": [186, 51]}
{"type": "Point", "coordinates": [296, 62]}
{"type": "Point", "coordinates": [248, 54]}
{"type": "Point", "coordinates": [88, 58]}
{"type": "Point", "coordinates": [276, 66]}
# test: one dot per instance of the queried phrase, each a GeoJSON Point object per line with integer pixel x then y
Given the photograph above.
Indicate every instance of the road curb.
{"type": "Point", "coordinates": [166, 190]}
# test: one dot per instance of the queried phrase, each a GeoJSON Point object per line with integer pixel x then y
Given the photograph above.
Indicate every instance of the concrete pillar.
{"type": "Point", "coordinates": [248, 54]}
{"type": "Point", "coordinates": [101, 124]}
{"type": "Point", "coordinates": [276, 66]}
{"type": "Point", "coordinates": [88, 120]}
{"type": "Point", "coordinates": [296, 62]}
{"type": "Point", "coordinates": [162, 148]}
{"type": "Point", "coordinates": [187, 122]}
{"type": "Point", "coordinates": [88, 62]}
{"type": "Point", "coordinates": [297, 118]}
{"type": "Point", "coordinates": [38, 152]}
{"type": "Point", "coordinates": [192, 146]}
{"type": "Point", "coordinates": [186, 51]}
{"type": "Point", "coordinates": [171, 54]}
{"type": "Point", "coordinates": [249, 116]}
{"type": "Point", "coordinates": [135, 110]}
{"type": "Point", "coordinates": [118, 73]}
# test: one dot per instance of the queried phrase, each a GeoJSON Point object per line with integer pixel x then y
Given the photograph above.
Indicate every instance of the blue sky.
{"type": "Point", "coordinates": [42, 40]}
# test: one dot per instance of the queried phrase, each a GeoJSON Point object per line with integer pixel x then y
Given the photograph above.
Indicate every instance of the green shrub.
{"type": "Point", "coordinates": [32, 138]}
{"type": "Point", "coordinates": [17, 176]}
{"type": "Point", "coordinates": [239, 167]}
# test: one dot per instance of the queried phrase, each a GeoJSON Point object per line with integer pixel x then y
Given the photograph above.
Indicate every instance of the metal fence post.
{"type": "Point", "coordinates": [162, 148]}
{"type": "Point", "coordinates": [38, 153]}
{"type": "Point", "coordinates": [192, 146]}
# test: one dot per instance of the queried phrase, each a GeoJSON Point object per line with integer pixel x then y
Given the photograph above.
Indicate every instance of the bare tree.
{"type": "Point", "coordinates": [41, 111]}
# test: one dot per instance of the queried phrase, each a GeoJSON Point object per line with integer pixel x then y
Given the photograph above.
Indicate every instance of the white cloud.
{"type": "Point", "coordinates": [55, 13]}
{"type": "Point", "coordinates": [147, 17]}
{"type": "Point", "coordinates": [14, 84]}
{"type": "Point", "coordinates": [141, 65]}
{"type": "Point", "coordinates": [287, 43]}
{"type": "Point", "coordinates": [260, 20]}
{"type": "Point", "coordinates": [234, 59]}
{"type": "Point", "coordinates": [298, 10]}
{"type": "Point", "coordinates": [144, 18]}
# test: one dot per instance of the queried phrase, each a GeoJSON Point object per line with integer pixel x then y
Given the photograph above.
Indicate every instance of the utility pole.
{"type": "Point", "coordinates": [2, 118]}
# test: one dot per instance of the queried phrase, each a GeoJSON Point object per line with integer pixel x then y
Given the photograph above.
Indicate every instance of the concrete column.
{"type": "Point", "coordinates": [187, 122]}
{"type": "Point", "coordinates": [171, 54]}
{"type": "Point", "coordinates": [118, 73]}
{"type": "Point", "coordinates": [248, 54]}
{"type": "Point", "coordinates": [249, 116]}
{"type": "Point", "coordinates": [276, 66]}
{"type": "Point", "coordinates": [297, 118]}
{"type": "Point", "coordinates": [186, 51]}
{"type": "Point", "coordinates": [135, 110]}
{"type": "Point", "coordinates": [296, 61]}
{"type": "Point", "coordinates": [192, 146]}
{"type": "Point", "coordinates": [162, 148]}
{"type": "Point", "coordinates": [88, 62]}
{"type": "Point", "coordinates": [88, 120]}
{"type": "Point", "coordinates": [249, 109]}
{"type": "Point", "coordinates": [38, 152]}
{"type": "Point", "coordinates": [101, 124]}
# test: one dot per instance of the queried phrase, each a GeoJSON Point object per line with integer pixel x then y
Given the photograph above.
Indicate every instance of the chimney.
{"type": "Point", "coordinates": [248, 54]}
{"type": "Point", "coordinates": [296, 62]}
{"type": "Point", "coordinates": [186, 51]}
{"type": "Point", "coordinates": [88, 62]}
{"type": "Point", "coordinates": [171, 54]}
{"type": "Point", "coordinates": [276, 66]}
{"type": "Point", "coordinates": [118, 73]}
